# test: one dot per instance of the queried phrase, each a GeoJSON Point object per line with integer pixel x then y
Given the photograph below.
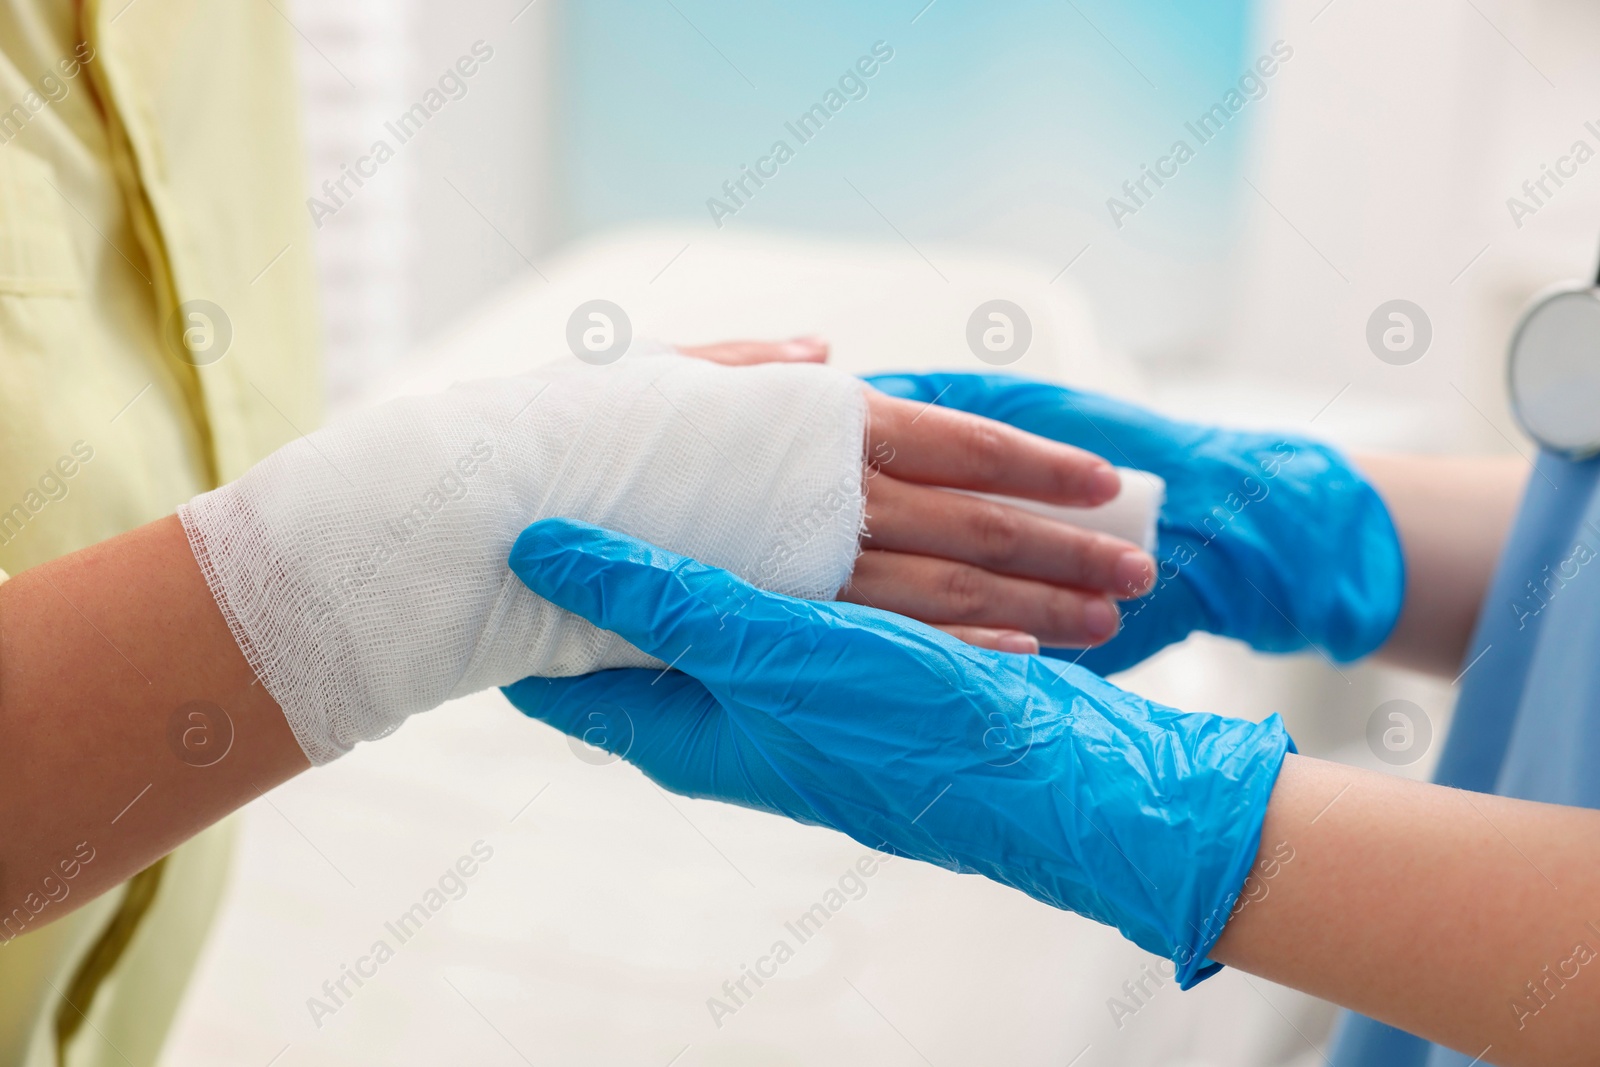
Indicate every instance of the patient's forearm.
{"type": "Point", "coordinates": [1453, 515]}
{"type": "Point", "coordinates": [1469, 919]}
{"type": "Point", "coordinates": [130, 721]}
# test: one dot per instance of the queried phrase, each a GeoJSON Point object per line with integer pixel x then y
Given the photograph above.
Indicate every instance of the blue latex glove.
{"type": "Point", "coordinates": [1268, 538]}
{"type": "Point", "coordinates": [1034, 772]}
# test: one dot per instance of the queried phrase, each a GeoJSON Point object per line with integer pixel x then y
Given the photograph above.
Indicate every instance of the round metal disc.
{"type": "Point", "coordinates": [1554, 370]}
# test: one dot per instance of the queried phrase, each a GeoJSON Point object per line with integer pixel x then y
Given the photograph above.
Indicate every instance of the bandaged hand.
{"type": "Point", "coordinates": [362, 569]}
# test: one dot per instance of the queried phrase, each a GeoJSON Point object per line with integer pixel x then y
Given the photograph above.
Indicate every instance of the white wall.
{"type": "Point", "coordinates": [1387, 155]}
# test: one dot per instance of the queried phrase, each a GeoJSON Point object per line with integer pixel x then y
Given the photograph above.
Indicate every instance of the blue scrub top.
{"type": "Point", "coordinates": [1527, 721]}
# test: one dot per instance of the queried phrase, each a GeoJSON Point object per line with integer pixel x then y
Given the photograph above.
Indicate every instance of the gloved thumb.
{"type": "Point", "coordinates": [698, 619]}
{"type": "Point", "coordinates": [598, 709]}
{"type": "Point", "coordinates": [667, 725]}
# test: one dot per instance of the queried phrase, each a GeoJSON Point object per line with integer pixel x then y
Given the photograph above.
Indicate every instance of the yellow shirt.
{"type": "Point", "coordinates": [151, 190]}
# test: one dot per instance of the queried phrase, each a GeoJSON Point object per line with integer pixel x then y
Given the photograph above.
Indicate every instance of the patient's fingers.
{"type": "Point", "coordinates": [944, 593]}
{"type": "Point", "coordinates": [999, 640]}
{"type": "Point", "coordinates": [904, 517]}
{"type": "Point", "coordinates": [746, 353]}
{"type": "Point", "coordinates": [940, 446]}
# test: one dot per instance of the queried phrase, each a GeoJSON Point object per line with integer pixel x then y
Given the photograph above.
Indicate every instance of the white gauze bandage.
{"type": "Point", "coordinates": [362, 569]}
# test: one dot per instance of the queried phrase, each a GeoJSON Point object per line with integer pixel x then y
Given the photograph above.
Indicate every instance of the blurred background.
{"type": "Point", "coordinates": [987, 156]}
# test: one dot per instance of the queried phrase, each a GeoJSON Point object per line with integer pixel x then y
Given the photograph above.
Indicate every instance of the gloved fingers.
{"type": "Point", "coordinates": [920, 442]}
{"type": "Point", "coordinates": [948, 593]}
{"type": "Point", "coordinates": [748, 353]}
{"type": "Point", "coordinates": [652, 719]}
{"type": "Point", "coordinates": [1123, 433]}
{"type": "Point", "coordinates": [905, 517]}
{"type": "Point", "coordinates": [669, 726]}
{"type": "Point", "coordinates": [607, 710]}
{"type": "Point", "coordinates": [697, 618]}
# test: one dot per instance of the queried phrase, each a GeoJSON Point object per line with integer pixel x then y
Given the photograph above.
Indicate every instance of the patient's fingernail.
{"type": "Point", "coordinates": [1100, 619]}
{"type": "Point", "coordinates": [1025, 644]}
{"type": "Point", "coordinates": [808, 349]}
{"type": "Point", "coordinates": [1133, 574]}
{"type": "Point", "coordinates": [1105, 484]}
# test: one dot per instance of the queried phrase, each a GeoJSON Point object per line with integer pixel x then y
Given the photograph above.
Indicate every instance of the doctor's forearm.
{"type": "Point", "coordinates": [1469, 919]}
{"type": "Point", "coordinates": [1453, 515]}
{"type": "Point", "coordinates": [130, 718]}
